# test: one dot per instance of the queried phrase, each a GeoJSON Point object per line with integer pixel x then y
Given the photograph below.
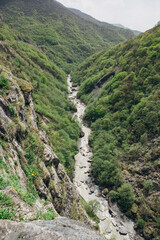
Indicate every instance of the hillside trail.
{"type": "Point", "coordinates": [113, 223]}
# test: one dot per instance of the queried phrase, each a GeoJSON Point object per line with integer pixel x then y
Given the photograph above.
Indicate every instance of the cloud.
{"type": "Point", "coordinates": [138, 14]}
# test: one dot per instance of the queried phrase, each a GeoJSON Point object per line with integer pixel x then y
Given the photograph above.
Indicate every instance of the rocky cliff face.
{"type": "Point", "coordinates": [32, 179]}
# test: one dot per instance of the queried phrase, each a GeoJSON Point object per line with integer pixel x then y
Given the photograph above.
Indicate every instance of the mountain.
{"type": "Point", "coordinates": [118, 28]}
{"type": "Point", "coordinates": [136, 32]}
{"type": "Point", "coordinates": [66, 38]}
{"type": "Point", "coordinates": [121, 87]}
{"type": "Point", "coordinates": [38, 135]}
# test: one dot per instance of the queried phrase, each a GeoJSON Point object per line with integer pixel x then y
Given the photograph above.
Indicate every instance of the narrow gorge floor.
{"type": "Point", "coordinates": [113, 224]}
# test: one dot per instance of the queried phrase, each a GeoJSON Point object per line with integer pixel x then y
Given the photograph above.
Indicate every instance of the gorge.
{"type": "Point", "coordinates": [112, 223]}
{"type": "Point", "coordinates": [80, 155]}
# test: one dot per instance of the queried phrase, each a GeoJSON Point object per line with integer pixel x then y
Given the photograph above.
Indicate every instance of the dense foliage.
{"type": "Point", "coordinates": [49, 85]}
{"type": "Point", "coordinates": [65, 38]}
{"type": "Point", "coordinates": [122, 89]}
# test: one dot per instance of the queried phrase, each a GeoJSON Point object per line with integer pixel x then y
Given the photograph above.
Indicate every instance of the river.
{"type": "Point", "coordinates": [113, 223]}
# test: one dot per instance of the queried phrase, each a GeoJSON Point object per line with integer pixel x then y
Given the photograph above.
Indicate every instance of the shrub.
{"type": "Point", "coordinates": [6, 214]}
{"type": "Point", "coordinates": [114, 195]}
{"type": "Point", "coordinates": [126, 196]}
{"type": "Point", "coordinates": [3, 81]}
{"type": "Point", "coordinates": [91, 208]}
{"type": "Point", "coordinates": [140, 223]}
{"type": "Point", "coordinates": [148, 186]}
{"type": "Point", "coordinates": [48, 215]}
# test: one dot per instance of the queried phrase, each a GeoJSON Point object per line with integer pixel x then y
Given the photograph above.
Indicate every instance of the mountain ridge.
{"type": "Point", "coordinates": [71, 39]}
{"type": "Point", "coordinates": [92, 19]}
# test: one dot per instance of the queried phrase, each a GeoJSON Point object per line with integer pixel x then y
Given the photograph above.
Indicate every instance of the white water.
{"type": "Point", "coordinates": [115, 225]}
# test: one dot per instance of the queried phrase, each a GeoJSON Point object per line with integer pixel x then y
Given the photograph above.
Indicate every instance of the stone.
{"type": "Point", "coordinates": [92, 189]}
{"type": "Point", "coordinates": [122, 231]}
{"type": "Point", "coordinates": [13, 95]}
{"type": "Point", "coordinates": [28, 98]}
{"type": "Point", "coordinates": [82, 134]}
{"type": "Point", "coordinates": [42, 189]}
{"type": "Point", "coordinates": [58, 229]}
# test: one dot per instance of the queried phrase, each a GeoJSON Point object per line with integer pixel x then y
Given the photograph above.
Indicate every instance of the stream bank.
{"type": "Point", "coordinates": [113, 223]}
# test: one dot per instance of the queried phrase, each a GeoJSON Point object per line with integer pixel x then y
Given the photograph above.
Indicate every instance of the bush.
{"type": "Point", "coordinates": [6, 214]}
{"type": "Point", "coordinates": [48, 215]}
{"type": "Point", "coordinates": [140, 223]}
{"type": "Point", "coordinates": [126, 197]}
{"type": "Point", "coordinates": [3, 81]}
{"type": "Point", "coordinates": [114, 195]}
{"type": "Point", "coordinates": [148, 186]}
{"type": "Point", "coordinates": [91, 208]}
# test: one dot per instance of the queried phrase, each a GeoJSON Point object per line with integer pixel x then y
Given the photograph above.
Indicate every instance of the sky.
{"type": "Point", "coordinates": [135, 14]}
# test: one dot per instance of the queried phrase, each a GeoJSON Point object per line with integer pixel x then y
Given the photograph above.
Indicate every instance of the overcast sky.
{"type": "Point", "coordinates": [135, 14]}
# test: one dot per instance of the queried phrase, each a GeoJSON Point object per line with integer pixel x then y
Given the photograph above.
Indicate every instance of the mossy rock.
{"type": "Point", "coordinates": [24, 85]}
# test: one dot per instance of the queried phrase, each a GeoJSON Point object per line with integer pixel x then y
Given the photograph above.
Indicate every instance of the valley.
{"type": "Point", "coordinates": [112, 223]}
{"type": "Point", "coordinates": [79, 155]}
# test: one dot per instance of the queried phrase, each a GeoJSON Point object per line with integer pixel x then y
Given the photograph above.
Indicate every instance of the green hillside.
{"type": "Point", "coordinates": [121, 87]}
{"type": "Point", "coordinates": [30, 64]}
{"type": "Point", "coordinates": [64, 37]}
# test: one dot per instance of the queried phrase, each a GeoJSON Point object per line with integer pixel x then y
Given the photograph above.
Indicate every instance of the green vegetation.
{"type": "Point", "coordinates": [4, 84]}
{"type": "Point", "coordinates": [123, 112]}
{"type": "Point", "coordinates": [91, 209]}
{"type": "Point", "coordinates": [65, 38]}
{"type": "Point", "coordinates": [140, 223]}
{"type": "Point", "coordinates": [6, 207]}
{"type": "Point", "coordinates": [28, 63]}
{"type": "Point", "coordinates": [48, 215]}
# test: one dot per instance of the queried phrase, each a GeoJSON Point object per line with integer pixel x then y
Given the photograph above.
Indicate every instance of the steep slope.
{"type": "Point", "coordinates": [66, 38]}
{"type": "Point", "coordinates": [117, 27]}
{"type": "Point", "coordinates": [30, 64]}
{"type": "Point", "coordinates": [122, 89]}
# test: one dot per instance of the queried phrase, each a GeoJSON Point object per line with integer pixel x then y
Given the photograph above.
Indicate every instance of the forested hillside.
{"type": "Point", "coordinates": [65, 38]}
{"type": "Point", "coordinates": [121, 87]}
{"type": "Point", "coordinates": [38, 136]}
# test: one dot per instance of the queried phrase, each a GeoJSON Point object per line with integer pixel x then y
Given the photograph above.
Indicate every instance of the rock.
{"type": "Point", "coordinates": [21, 207]}
{"type": "Point", "coordinates": [42, 189]}
{"type": "Point", "coordinates": [50, 157]}
{"type": "Point", "coordinates": [22, 114]}
{"type": "Point", "coordinates": [92, 189]}
{"type": "Point", "coordinates": [58, 229]}
{"type": "Point", "coordinates": [4, 120]}
{"type": "Point", "coordinates": [13, 95]}
{"type": "Point", "coordinates": [82, 134]}
{"type": "Point", "coordinates": [4, 106]}
{"type": "Point", "coordinates": [28, 98]}
{"type": "Point", "coordinates": [122, 231]}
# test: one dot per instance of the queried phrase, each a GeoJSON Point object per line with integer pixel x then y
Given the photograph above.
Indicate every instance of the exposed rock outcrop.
{"type": "Point", "coordinates": [27, 157]}
{"type": "Point", "coordinates": [59, 229]}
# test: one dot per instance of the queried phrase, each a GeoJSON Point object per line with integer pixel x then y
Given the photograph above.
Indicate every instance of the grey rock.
{"type": "Point", "coordinates": [13, 95]}
{"type": "Point", "coordinates": [58, 229]}
{"type": "Point", "coordinates": [122, 231]}
{"type": "Point", "coordinates": [4, 106]}
{"type": "Point", "coordinates": [28, 98]}
{"type": "Point", "coordinates": [42, 189]}
{"type": "Point", "coordinates": [4, 122]}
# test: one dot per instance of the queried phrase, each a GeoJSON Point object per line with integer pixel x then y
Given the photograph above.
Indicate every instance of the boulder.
{"type": "Point", "coordinates": [58, 229]}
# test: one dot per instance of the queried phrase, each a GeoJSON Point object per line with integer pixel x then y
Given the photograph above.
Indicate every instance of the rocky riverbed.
{"type": "Point", "coordinates": [113, 223]}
